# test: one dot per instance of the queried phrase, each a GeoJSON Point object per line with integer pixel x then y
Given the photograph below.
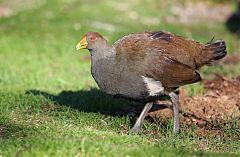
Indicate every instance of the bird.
{"type": "Point", "coordinates": [146, 66]}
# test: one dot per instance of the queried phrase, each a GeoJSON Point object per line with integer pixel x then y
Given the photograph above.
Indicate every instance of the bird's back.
{"type": "Point", "coordinates": [135, 47]}
{"type": "Point", "coordinates": [165, 57]}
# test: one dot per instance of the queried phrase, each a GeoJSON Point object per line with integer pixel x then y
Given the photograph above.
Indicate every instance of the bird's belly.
{"type": "Point", "coordinates": [138, 87]}
{"type": "Point", "coordinates": [126, 83]}
{"type": "Point", "coordinates": [132, 87]}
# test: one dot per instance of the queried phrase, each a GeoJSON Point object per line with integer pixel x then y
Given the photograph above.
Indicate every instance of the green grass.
{"type": "Point", "coordinates": [49, 103]}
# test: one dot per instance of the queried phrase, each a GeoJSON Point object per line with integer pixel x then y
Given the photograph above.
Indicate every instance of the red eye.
{"type": "Point", "coordinates": [92, 38]}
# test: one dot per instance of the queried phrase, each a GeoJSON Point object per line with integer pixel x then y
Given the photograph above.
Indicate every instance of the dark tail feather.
{"type": "Point", "coordinates": [215, 50]}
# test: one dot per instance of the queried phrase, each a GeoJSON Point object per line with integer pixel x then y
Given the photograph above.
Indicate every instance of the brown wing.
{"type": "Point", "coordinates": [171, 73]}
{"type": "Point", "coordinates": [162, 56]}
{"type": "Point", "coordinates": [178, 48]}
{"type": "Point", "coordinates": [137, 46]}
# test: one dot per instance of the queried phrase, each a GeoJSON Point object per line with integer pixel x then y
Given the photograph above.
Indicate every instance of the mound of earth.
{"type": "Point", "coordinates": [219, 105]}
{"type": "Point", "coordinates": [231, 59]}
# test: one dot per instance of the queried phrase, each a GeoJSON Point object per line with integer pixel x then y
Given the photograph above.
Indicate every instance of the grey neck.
{"type": "Point", "coordinates": [105, 52]}
{"type": "Point", "coordinates": [102, 64]}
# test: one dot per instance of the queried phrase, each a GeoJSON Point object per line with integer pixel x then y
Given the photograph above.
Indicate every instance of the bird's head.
{"type": "Point", "coordinates": [91, 41]}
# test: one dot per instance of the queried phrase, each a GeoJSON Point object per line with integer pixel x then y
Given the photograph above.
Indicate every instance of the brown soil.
{"type": "Point", "coordinates": [231, 59]}
{"type": "Point", "coordinates": [219, 105]}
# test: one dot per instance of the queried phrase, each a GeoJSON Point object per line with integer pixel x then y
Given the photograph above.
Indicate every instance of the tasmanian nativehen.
{"type": "Point", "coordinates": [146, 66]}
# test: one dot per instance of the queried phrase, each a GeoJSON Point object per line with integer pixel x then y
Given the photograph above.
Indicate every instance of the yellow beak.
{"type": "Point", "coordinates": [82, 44]}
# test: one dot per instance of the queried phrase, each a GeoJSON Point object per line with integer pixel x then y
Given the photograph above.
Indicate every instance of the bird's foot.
{"type": "Point", "coordinates": [135, 129]}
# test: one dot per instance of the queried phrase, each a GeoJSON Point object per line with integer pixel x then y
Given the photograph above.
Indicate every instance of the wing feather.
{"type": "Point", "coordinates": [161, 56]}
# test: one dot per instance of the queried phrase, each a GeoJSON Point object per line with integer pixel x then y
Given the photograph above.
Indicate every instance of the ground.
{"type": "Point", "coordinates": [51, 106]}
{"type": "Point", "coordinates": [219, 104]}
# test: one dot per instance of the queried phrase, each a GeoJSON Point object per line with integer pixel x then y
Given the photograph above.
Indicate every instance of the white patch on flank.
{"type": "Point", "coordinates": [154, 87]}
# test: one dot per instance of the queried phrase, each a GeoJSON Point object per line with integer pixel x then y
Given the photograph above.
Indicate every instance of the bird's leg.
{"type": "Point", "coordinates": [175, 102]}
{"type": "Point", "coordinates": [137, 125]}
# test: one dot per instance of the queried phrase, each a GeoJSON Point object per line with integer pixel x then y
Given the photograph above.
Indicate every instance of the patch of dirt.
{"type": "Point", "coordinates": [209, 132]}
{"type": "Point", "coordinates": [224, 86]}
{"type": "Point", "coordinates": [219, 105]}
{"type": "Point", "coordinates": [231, 59]}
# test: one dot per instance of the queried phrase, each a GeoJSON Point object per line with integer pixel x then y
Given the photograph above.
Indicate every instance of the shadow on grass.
{"type": "Point", "coordinates": [92, 100]}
